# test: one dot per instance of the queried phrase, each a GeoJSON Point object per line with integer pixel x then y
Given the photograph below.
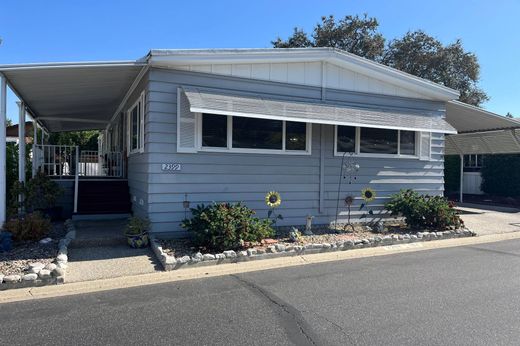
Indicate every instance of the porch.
{"type": "Point", "coordinates": [72, 97]}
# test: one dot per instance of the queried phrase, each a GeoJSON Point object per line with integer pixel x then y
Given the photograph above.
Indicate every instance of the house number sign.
{"type": "Point", "coordinates": [171, 167]}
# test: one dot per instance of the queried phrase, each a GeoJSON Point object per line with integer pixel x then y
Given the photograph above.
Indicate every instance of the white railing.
{"type": "Point", "coordinates": [62, 161]}
{"type": "Point", "coordinates": [94, 164]}
{"type": "Point", "coordinates": [55, 160]}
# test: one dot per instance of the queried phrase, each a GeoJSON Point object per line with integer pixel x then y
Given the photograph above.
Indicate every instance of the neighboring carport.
{"type": "Point", "coordinates": [479, 132]}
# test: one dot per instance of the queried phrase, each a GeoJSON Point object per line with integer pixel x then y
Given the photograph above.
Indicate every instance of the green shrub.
{"type": "Point", "coordinates": [32, 226]}
{"type": "Point", "coordinates": [39, 192]}
{"type": "Point", "coordinates": [501, 175]}
{"type": "Point", "coordinates": [224, 226]}
{"type": "Point", "coordinates": [137, 225]}
{"type": "Point", "coordinates": [451, 173]}
{"type": "Point", "coordinates": [423, 211]}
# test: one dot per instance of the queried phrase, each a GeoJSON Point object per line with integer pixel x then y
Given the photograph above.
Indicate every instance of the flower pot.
{"type": "Point", "coordinates": [137, 240]}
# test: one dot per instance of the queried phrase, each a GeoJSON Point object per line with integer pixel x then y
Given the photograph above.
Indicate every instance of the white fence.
{"type": "Point", "coordinates": [472, 182]}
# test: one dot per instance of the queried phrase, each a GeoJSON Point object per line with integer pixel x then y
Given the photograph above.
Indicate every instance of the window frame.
{"type": "Point", "coordinates": [358, 153]}
{"type": "Point", "coordinates": [140, 127]}
{"type": "Point", "coordinates": [230, 149]}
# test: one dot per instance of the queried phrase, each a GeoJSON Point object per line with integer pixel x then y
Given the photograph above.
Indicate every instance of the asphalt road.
{"type": "Point", "coordinates": [465, 296]}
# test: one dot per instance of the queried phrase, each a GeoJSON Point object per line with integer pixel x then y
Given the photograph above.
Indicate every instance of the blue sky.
{"type": "Point", "coordinates": [44, 31]}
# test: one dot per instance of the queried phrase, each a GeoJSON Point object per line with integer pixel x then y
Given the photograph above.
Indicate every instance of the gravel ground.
{"type": "Point", "coordinates": [182, 247]}
{"type": "Point", "coordinates": [17, 260]}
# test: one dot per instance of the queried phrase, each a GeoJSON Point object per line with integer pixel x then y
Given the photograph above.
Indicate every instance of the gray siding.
{"type": "Point", "coordinates": [207, 177]}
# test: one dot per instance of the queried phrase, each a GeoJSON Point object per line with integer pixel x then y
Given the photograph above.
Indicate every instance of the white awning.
{"type": "Point", "coordinates": [213, 101]}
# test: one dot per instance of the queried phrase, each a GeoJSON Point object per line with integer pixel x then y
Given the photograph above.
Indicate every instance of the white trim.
{"type": "Point", "coordinates": [358, 152]}
{"type": "Point", "coordinates": [230, 149]}
{"type": "Point", "coordinates": [140, 127]}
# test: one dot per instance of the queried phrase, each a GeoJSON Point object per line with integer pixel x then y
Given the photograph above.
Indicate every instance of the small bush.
{"type": "Point", "coordinates": [423, 211]}
{"type": "Point", "coordinates": [224, 226]}
{"type": "Point", "coordinates": [137, 225]}
{"type": "Point", "coordinates": [32, 226]}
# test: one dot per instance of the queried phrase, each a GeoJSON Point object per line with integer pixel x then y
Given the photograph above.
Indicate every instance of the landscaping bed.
{"type": "Point", "coordinates": [178, 253]}
{"type": "Point", "coordinates": [37, 263]}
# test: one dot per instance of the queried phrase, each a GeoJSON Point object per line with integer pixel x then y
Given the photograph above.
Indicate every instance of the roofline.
{"type": "Point", "coordinates": [80, 64]}
{"type": "Point", "coordinates": [241, 55]}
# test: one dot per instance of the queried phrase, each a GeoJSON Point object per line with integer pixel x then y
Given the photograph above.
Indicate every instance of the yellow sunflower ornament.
{"type": "Point", "coordinates": [368, 195]}
{"type": "Point", "coordinates": [273, 199]}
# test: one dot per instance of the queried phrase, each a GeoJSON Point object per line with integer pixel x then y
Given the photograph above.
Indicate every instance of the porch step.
{"type": "Point", "coordinates": [104, 197]}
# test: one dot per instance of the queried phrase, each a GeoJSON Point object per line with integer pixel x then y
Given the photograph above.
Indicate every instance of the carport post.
{"type": "Point", "coordinates": [21, 143]}
{"type": "Point", "coordinates": [461, 199]}
{"type": "Point", "coordinates": [3, 115]}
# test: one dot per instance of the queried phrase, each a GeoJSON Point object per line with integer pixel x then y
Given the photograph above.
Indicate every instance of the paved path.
{"type": "Point", "coordinates": [489, 219]}
{"type": "Point", "coordinates": [100, 252]}
{"type": "Point", "coordinates": [464, 295]}
{"type": "Point", "coordinates": [94, 263]}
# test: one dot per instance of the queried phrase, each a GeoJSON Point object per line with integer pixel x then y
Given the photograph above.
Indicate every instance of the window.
{"type": "Point", "coordinates": [229, 133]}
{"type": "Point", "coordinates": [407, 142]}
{"type": "Point", "coordinates": [136, 126]}
{"type": "Point", "coordinates": [214, 130]}
{"type": "Point", "coordinates": [375, 141]}
{"type": "Point", "coordinates": [473, 162]}
{"type": "Point", "coordinates": [295, 135]}
{"type": "Point", "coordinates": [378, 141]}
{"type": "Point", "coordinates": [255, 133]}
{"type": "Point", "coordinates": [346, 142]}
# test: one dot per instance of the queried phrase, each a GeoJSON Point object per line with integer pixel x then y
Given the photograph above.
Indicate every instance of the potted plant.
{"type": "Point", "coordinates": [137, 232]}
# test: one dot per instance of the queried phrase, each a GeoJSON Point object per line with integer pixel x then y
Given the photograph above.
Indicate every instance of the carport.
{"type": "Point", "coordinates": [479, 132]}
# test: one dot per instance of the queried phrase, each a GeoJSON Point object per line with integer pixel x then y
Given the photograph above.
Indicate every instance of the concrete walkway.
{"type": "Point", "coordinates": [100, 252]}
{"type": "Point", "coordinates": [485, 219]}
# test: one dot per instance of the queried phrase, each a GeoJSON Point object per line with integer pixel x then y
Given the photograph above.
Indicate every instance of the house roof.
{"type": "Point", "coordinates": [71, 96]}
{"type": "Point", "coordinates": [169, 57]}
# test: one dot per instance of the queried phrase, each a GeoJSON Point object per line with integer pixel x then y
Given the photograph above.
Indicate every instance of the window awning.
{"type": "Point", "coordinates": [204, 100]}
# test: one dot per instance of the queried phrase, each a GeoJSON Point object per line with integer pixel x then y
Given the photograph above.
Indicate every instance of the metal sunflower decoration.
{"type": "Point", "coordinates": [368, 195]}
{"type": "Point", "coordinates": [273, 200]}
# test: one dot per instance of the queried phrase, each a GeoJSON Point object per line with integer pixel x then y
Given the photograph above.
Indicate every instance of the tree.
{"type": "Point", "coordinates": [86, 140]}
{"type": "Point", "coordinates": [354, 34]}
{"type": "Point", "coordinates": [509, 115]}
{"type": "Point", "coordinates": [424, 56]}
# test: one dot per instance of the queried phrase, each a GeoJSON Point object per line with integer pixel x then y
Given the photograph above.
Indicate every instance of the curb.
{"type": "Point", "coordinates": [48, 275]}
{"type": "Point", "coordinates": [85, 287]}
{"type": "Point", "coordinates": [279, 250]}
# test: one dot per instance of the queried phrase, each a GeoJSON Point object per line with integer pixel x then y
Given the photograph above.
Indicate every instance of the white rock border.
{"type": "Point", "coordinates": [280, 250]}
{"type": "Point", "coordinates": [41, 275]}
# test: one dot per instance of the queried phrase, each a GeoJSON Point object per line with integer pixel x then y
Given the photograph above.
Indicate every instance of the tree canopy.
{"type": "Point", "coordinates": [354, 34]}
{"type": "Point", "coordinates": [415, 52]}
{"type": "Point", "coordinates": [86, 140]}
